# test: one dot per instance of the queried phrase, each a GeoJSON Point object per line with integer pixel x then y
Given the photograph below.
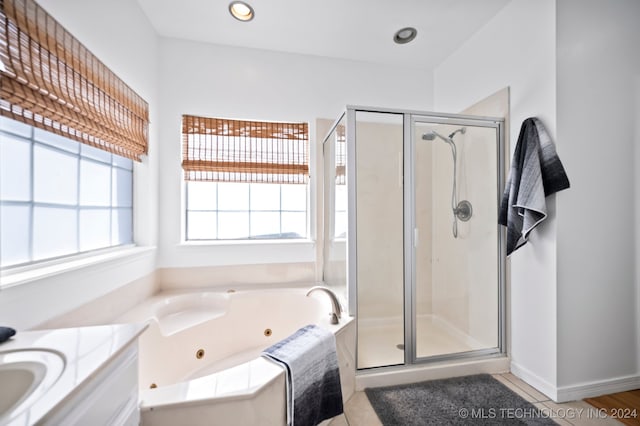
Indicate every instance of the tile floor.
{"type": "Point", "coordinates": [358, 411]}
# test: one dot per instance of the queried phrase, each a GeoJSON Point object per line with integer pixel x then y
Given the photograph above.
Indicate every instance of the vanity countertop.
{"type": "Point", "coordinates": [85, 351]}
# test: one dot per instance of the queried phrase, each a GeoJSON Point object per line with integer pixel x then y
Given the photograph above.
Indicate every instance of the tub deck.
{"type": "Point", "coordinates": [230, 382]}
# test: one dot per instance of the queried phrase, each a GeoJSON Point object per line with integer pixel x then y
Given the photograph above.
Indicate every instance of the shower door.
{"type": "Point", "coordinates": [453, 283]}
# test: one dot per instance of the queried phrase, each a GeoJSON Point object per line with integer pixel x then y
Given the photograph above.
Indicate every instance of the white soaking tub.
{"type": "Point", "coordinates": [200, 363]}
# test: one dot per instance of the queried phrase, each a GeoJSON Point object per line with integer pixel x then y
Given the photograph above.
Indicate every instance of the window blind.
{"type": "Point", "coordinates": [224, 150]}
{"type": "Point", "coordinates": [48, 79]}
{"type": "Point", "coordinates": [341, 155]}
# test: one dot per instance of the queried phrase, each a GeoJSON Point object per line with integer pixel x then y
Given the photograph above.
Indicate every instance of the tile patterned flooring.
{"type": "Point", "coordinates": [358, 411]}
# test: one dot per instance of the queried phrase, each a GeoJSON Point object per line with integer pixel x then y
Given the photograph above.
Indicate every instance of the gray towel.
{"type": "Point", "coordinates": [313, 377]}
{"type": "Point", "coordinates": [6, 333]}
{"type": "Point", "coordinates": [536, 172]}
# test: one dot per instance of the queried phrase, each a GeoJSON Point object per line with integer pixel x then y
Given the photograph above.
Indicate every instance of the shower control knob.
{"type": "Point", "coordinates": [464, 211]}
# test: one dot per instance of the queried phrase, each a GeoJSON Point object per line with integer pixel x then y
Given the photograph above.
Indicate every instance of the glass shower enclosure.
{"type": "Point", "coordinates": [411, 207]}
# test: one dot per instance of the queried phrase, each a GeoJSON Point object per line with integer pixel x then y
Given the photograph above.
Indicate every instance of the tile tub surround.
{"type": "Point", "coordinates": [86, 351]}
{"type": "Point", "coordinates": [230, 379]}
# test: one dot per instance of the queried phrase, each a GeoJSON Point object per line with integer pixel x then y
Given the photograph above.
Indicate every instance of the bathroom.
{"type": "Point", "coordinates": [572, 297]}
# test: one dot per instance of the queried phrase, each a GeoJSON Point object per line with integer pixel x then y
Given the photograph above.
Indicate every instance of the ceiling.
{"type": "Point", "coordinates": [350, 29]}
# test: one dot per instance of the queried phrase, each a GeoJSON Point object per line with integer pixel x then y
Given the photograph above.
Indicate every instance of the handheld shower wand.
{"type": "Point", "coordinates": [461, 130]}
{"type": "Point", "coordinates": [461, 210]}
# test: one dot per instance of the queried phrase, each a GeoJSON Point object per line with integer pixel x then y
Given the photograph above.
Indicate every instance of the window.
{"type": "Point", "coordinates": [69, 129]}
{"type": "Point", "coordinates": [245, 179]}
{"type": "Point", "coordinates": [223, 211]}
{"type": "Point", "coordinates": [59, 197]}
{"type": "Point", "coordinates": [340, 224]}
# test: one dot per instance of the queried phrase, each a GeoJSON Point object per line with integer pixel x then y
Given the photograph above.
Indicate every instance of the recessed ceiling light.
{"type": "Point", "coordinates": [405, 35]}
{"type": "Point", "coordinates": [241, 11]}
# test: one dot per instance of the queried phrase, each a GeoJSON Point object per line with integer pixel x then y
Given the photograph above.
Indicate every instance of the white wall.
{"type": "Point", "coordinates": [118, 33]}
{"type": "Point", "coordinates": [574, 287]}
{"type": "Point", "coordinates": [517, 49]}
{"type": "Point", "coordinates": [211, 80]}
{"type": "Point", "coordinates": [598, 69]}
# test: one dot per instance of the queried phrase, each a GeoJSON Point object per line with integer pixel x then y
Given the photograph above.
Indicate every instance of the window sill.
{"type": "Point", "coordinates": [257, 242]}
{"type": "Point", "coordinates": [23, 275]}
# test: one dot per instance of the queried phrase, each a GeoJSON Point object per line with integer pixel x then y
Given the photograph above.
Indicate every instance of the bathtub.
{"type": "Point", "coordinates": [199, 359]}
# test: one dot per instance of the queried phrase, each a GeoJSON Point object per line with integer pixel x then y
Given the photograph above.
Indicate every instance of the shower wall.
{"type": "Point", "coordinates": [424, 223]}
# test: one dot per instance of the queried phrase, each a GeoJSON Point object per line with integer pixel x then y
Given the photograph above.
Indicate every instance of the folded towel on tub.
{"type": "Point", "coordinates": [312, 375]}
{"type": "Point", "coordinates": [536, 172]}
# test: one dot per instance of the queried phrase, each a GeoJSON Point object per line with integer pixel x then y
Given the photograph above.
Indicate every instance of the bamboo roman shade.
{"type": "Point", "coordinates": [341, 155]}
{"type": "Point", "coordinates": [223, 150]}
{"type": "Point", "coordinates": [48, 79]}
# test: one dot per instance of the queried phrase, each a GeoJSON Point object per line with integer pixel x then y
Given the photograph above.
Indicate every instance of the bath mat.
{"type": "Point", "coordinates": [470, 400]}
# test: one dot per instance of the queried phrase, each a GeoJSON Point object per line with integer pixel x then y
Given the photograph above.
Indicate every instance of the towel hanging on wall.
{"type": "Point", "coordinates": [536, 172]}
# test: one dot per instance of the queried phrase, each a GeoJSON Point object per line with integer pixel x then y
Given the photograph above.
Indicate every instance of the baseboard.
{"type": "Point", "coordinates": [576, 392]}
{"type": "Point", "coordinates": [593, 389]}
{"type": "Point", "coordinates": [534, 380]}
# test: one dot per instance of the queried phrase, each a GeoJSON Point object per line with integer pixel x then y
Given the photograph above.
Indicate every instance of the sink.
{"type": "Point", "coordinates": [25, 376]}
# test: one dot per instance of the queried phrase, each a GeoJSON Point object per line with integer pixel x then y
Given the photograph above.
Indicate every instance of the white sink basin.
{"type": "Point", "coordinates": [26, 375]}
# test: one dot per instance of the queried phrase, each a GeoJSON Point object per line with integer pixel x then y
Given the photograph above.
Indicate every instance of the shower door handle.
{"type": "Point", "coordinates": [416, 236]}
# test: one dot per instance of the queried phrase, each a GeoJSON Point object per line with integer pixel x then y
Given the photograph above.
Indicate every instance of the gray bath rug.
{"type": "Point", "coordinates": [470, 400]}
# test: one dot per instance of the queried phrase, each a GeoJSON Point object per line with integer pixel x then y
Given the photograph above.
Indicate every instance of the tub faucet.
{"type": "Point", "coordinates": [335, 303]}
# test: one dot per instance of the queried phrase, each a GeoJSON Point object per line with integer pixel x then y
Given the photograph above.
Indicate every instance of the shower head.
{"type": "Point", "coordinates": [433, 134]}
{"type": "Point", "coordinates": [429, 136]}
{"type": "Point", "coordinates": [461, 130]}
